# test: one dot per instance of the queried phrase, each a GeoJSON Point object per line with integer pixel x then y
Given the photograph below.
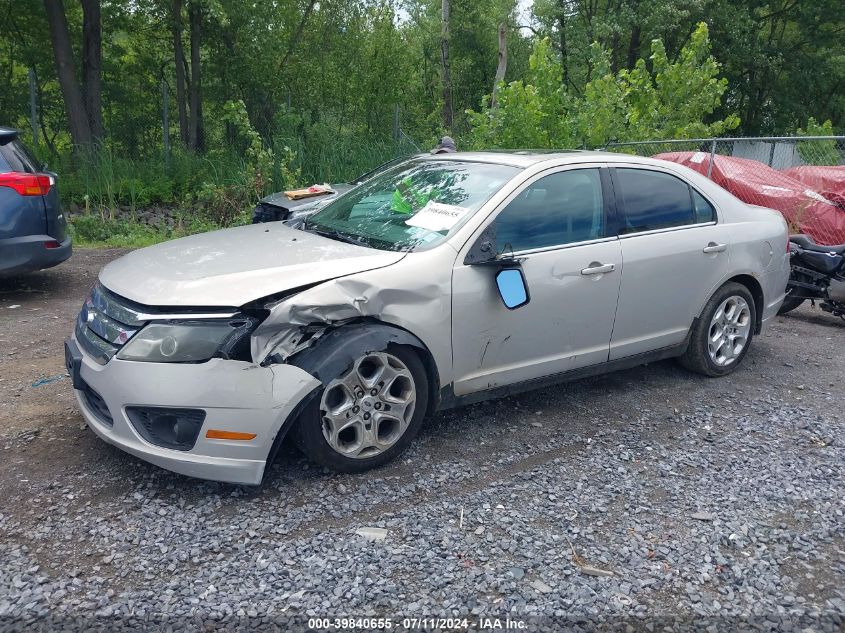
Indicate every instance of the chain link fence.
{"type": "Point", "coordinates": [802, 177]}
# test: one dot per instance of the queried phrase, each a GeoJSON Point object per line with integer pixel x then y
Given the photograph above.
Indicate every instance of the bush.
{"type": "Point", "coordinates": [94, 230]}
{"type": "Point", "coordinates": [818, 152]}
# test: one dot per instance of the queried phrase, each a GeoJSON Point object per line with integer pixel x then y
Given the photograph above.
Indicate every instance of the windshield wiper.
{"type": "Point", "coordinates": [337, 235]}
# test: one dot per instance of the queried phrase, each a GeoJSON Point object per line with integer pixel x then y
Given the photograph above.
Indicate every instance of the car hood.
{"type": "Point", "coordinates": [235, 266]}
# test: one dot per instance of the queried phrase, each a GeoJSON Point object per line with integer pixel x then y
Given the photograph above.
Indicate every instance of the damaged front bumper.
{"type": "Point", "coordinates": [229, 396]}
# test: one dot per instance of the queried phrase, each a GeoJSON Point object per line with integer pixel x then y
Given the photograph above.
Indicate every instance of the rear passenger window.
{"type": "Point", "coordinates": [703, 210]}
{"type": "Point", "coordinates": [15, 157]}
{"type": "Point", "coordinates": [561, 208]}
{"type": "Point", "coordinates": [653, 200]}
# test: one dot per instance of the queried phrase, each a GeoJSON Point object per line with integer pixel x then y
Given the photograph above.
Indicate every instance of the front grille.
{"type": "Point", "coordinates": [268, 213]}
{"type": "Point", "coordinates": [106, 323]}
{"type": "Point", "coordinates": [100, 350]}
{"type": "Point", "coordinates": [97, 405]}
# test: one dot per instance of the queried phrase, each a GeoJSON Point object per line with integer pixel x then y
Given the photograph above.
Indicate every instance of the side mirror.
{"type": "Point", "coordinates": [512, 288]}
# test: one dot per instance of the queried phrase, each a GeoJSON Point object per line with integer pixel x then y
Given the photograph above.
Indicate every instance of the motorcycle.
{"type": "Point", "coordinates": [818, 273]}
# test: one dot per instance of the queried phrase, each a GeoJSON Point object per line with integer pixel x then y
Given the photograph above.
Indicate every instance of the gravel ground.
{"type": "Point", "coordinates": [649, 498]}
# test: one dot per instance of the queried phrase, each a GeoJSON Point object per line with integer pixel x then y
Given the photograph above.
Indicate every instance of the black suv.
{"type": "Point", "coordinates": [33, 229]}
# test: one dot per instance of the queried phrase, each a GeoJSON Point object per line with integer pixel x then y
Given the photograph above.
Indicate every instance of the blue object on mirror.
{"type": "Point", "coordinates": [512, 288]}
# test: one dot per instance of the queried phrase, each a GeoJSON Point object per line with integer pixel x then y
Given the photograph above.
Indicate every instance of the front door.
{"type": "Point", "coordinates": [557, 225]}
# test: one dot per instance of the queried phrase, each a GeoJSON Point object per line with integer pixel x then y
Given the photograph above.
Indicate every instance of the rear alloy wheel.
{"type": "Point", "coordinates": [730, 330]}
{"type": "Point", "coordinates": [369, 413]}
{"type": "Point", "coordinates": [722, 335]}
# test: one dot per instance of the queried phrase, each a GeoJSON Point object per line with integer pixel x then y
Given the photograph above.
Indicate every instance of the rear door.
{"type": "Point", "coordinates": [675, 254]}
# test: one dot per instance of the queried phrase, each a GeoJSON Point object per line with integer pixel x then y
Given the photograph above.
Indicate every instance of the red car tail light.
{"type": "Point", "coordinates": [27, 184]}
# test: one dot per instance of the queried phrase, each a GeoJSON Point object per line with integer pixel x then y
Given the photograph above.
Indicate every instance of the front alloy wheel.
{"type": "Point", "coordinates": [367, 410]}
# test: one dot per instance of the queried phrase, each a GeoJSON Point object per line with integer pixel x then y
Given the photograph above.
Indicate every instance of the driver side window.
{"type": "Point", "coordinates": [562, 208]}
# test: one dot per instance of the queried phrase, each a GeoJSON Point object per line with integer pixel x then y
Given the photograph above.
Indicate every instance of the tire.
{"type": "Point", "coordinates": [790, 303]}
{"type": "Point", "coordinates": [365, 443]}
{"type": "Point", "coordinates": [727, 325]}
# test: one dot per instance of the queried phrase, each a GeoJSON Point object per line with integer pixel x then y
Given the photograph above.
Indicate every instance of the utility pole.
{"type": "Point", "coordinates": [165, 122]}
{"type": "Point", "coordinates": [446, 70]}
{"type": "Point", "coordinates": [33, 106]}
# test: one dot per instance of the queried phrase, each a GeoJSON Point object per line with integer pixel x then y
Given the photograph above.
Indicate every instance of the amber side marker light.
{"type": "Point", "coordinates": [214, 434]}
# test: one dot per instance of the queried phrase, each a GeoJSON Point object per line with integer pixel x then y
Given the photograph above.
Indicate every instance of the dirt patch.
{"type": "Point", "coordinates": [37, 313]}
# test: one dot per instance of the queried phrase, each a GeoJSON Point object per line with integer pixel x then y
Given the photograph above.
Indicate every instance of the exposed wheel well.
{"type": "Point", "coordinates": [431, 373]}
{"type": "Point", "coordinates": [756, 291]}
{"type": "Point", "coordinates": [369, 332]}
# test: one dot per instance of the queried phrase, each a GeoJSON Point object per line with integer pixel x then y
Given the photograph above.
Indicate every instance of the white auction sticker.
{"type": "Point", "coordinates": [436, 216]}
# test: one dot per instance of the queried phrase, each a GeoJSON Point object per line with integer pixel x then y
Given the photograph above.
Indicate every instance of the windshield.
{"type": "Point", "coordinates": [414, 204]}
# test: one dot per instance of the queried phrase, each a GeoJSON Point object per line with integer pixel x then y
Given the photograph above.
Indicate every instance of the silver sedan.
{"type": "Point", "coordinates": [441, 281]}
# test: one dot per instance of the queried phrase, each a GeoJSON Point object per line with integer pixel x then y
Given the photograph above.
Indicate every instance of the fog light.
{"type": "Point", "coordinates": [169, 428]}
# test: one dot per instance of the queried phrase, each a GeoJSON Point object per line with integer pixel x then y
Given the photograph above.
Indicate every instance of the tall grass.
{"type": "Point", "coordinates": [106, 191]}
{"type": "Point", "coordinates": [105, 180]}
{"type": "Point", "coordinates": [341, 158]}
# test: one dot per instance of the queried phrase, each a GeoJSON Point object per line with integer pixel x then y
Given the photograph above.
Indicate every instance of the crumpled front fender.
{"type": "Point", "coordinates": [413, 295]}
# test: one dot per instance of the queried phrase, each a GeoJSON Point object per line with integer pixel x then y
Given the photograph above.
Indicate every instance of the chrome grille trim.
{"type": "Point", "coordinates": [100, 350]}
{"type": "Point", "coordinates": [112, 331]}
{"type": "Point", "coordinates": [105, 324]}
{"type": "Point", "coordinates": [186, 316]}
{"type": "Point", "coordinates": [105, 303]}
{"type": "Point", "coordinates": [119, 310]}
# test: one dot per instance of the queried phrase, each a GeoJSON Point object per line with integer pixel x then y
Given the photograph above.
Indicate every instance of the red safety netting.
{"type": "Point", "coordinates": [806, 210]}
{"type": "Point", "coordinates": [827, 180]}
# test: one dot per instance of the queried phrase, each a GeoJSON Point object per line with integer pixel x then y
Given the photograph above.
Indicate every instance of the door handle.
{"type": "Point", "coordinates": [596, 268]}
{"type": "Point", "coordinates": [712, 247]}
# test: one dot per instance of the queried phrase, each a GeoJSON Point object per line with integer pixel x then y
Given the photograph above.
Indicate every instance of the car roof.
{"type": "Point", "coordinates": [526, 158]}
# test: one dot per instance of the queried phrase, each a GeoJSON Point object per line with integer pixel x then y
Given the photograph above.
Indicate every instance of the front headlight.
{"type": "Point", "coordinates": [186, 342]}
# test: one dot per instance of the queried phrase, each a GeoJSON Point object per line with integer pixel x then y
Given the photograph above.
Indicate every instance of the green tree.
{"type": "Point", "coordinates": [672, 99]}
{"type": "Point", "coordinates": [529, 113]}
